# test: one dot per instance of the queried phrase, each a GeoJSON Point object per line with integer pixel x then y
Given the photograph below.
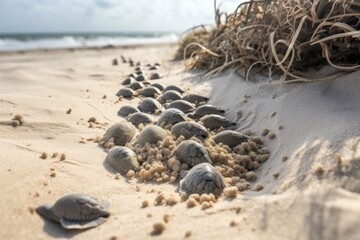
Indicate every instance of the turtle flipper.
{"type": "Point", "coordinates": [85, 224]}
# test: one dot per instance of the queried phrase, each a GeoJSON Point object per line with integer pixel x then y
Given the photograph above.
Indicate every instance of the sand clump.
{"type": "Point", "coordinates": [159, 227]}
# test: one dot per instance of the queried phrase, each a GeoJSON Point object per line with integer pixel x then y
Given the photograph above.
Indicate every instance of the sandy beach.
{"type": "Point", "coordinates": [308, 188]}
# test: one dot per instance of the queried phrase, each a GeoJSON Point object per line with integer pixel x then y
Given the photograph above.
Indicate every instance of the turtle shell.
{"type": "Point", "coordinates": [207, 109]}
{"type": "Point", "coordinates": [214, 121]}
{"type": "Point", "coordinates": [230, 138]}
{"type": "Point", "coordinates": [174, 88]}
{"type": "Point", "coordinates": [189, 130]}
{"type": "Point", "coordinates": [182, 105]}
{"type": "Point", "coordinates": [151, 134]}
{"type": "Point", "coordinates": [121, 133]}
{"type": "Point", "coordinates": [122, 159]}
{"type": "Point", "coordinates": [192, 153]}
{"type": "Point", "coordinates": [149, 105]}
{"type": "Point", "coordinates": [202, 178]}
{"type": "Point", "coordinates": [171, 116]}
{"type": "Point", "coordinates": [170, 95]}
{"type": "Point", "coordinates": [195, 98]}
{"type": "Point", "coordinates": [139, 117]}
{"type": "Point", "coordinates": [125, 92]}
{"type": "Point", "coordinates": [150, 91]}
{"type": "Point", "coordinates": [158, 85]}
{"type": "Point", "coordinates": [127, 110]}
{"type": "Point", "coordinates": [136, 85]}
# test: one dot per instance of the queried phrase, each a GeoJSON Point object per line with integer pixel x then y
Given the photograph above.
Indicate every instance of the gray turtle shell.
{"type": "Point", "coordinates": [195, 98]}
{"type": "Point", "coordinates": [182, 105]}
{"type": "Point", "coordinates": [76, 211]}
{"type": "Point", "coordinates": [214, 121]}
{"type": "Point", "coordinates": [136, 85]}
{"type": "Point", "coordinates": [207, 109]}
{"type": "Point", "coordinates": [149, 105]}
{"type": "Point", "coordinates": [140, 78]}
{"type": "Point", "coordinates": [230, 138]}
{"type": "Point", "coordinates": [150, 91]}
{"type": "Point", "coordinates": [153, 67]}
{"type": "Point", "coordinates": [151, 134]}
{"type": "Point", "coordinates": [174, 88]}
{"type": "Point", "coordinates": [192, 153]}
{"type": "Point", "coordinates": [128, 81]}
{"type": "Point", "coordinates": [171, 116]}
{"type": "Point", "coordinates": [139, 117]}
{"type": "Point", "coordinates": [122, 159]}
{"type": "Point", "coordinates": [125, 92]}
{"type": "Point", "coordinates": [127, 110]}
{"type": "Point", "coordinates": [201, 179]}
{"type": "Point", "coordinates": [121, 133]}
{"type": "Point", "coordinates": [169, 95]}
{"type": "Point", "coordinates": [189, 130]}
{"type": "Point", "coordinates": [158, 85]}
{"type": "Point", "coordinates": [154, 76]}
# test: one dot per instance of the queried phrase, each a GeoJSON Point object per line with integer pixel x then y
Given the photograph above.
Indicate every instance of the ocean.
{"type": "Point", "coordinates": [26, 41]}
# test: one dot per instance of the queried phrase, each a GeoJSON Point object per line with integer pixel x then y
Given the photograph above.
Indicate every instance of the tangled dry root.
{"type": "Point", "coordinates": [284, 37]}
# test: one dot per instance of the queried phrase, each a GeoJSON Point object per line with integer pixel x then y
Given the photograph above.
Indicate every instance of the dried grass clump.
{"type": "Point", "coordinates": [283, 37]}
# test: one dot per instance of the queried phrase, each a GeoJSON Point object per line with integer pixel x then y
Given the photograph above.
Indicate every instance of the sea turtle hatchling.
{"type": "Point", "coordinates": [174, 88]}
{"type": "Point", "coordinates": [171, 116]}
{"type": "Point", "coordinates": [151, 134]}
{"type": "Point", "coordinates": [127, 110]}
{"type": "Point", "coordinates": [169, 96]}
{"type": "Point", "coordinates": [136, 85]}
{"type": "Point", "coordinates": [122, 159]}
{"type": "Point", "coordinates": [182, 105]}
{"type": "Point", "coordinates": [155, 76]}
{"type": "Point", "coordinates": [140, 78]}
{"type": "Point", "coordinates": [189, 130]}
{"type": "Point", "coordinates": [202, 178]}
{"type": "Point", "coordinates": [230, 138]}
{"type": "Point", "coordinates": [150, 105]}
{"type": "Point", "coordinates": [120, 133]}
{"type": "Point", "coordinates": [150, 91]}
{"type": "Point", "coordinates": [154, 67]}
{"type": "Point", "coordinates": [139, 117]}
{"type": "Point", "coordinates": [206, 109]}
{"type": "Point", "coordinates": [192, 153]}
{"type": "Point", "coordinates": [128, 81]}
{"type": "Point", "coordinates": [76, 211]}
{"type": "Point", "coordinates": [195, 98]}
{"type": "Point", "coordinates": [126, 93]}
{"type": "Point", "coordinates": [158, 85]}
{"type": "Point", "coordinates": [214, 121]}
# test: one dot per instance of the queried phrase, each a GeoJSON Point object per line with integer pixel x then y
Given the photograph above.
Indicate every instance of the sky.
{"type": "Point", "coordinates": [19, 16]}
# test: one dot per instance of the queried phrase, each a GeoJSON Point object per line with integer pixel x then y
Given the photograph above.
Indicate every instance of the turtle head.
{"type": "Point", "coordinates": [46, 212]}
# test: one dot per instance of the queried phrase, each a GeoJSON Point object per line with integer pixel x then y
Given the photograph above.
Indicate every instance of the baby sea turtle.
{"type": "Point", "coordinates": [139, 117]}
{"type": "Point", "coordinates": [138, 68]}
{"type": "Point", "coordinates": [194, 98]}
{"type": "Point", "coordinates": [189, 130]}
{"type": "Point", "coordinates": [138, 64]}
{"type": "Point", "coordinates": [128, 81]}
{"type": "Point", "coordinates": [174, 88]}
{"type": "Point", "coordinates": [136, 85]}
{"type": "Point", "coordinates": [157, 64]}
{"type": "Point", "coordinates": [114, 62]}
{"type": "Point", "coordinates": [182, 105]}
{"type": "Point", "coordinates": [203, 178]}
{"type": "Point", "coordinates": [214, 121]}
{"type": "Point", "coordinates": [154, 67]}
{"type": "Point", "coordinates": [127, 110]}
{"type": "Point", "coordinates": [120, 133]}
{"type": "Point", "coordinates": [230, 138]}
{"type": "Point", "coordinates": [126, 93]}
{"type": "Point", "coordinates": [151, 134]}
{"type": "Point", "coordinates": [206, 109]}
{"type": "Point", "coordinates": [140, 72]}
{"type": "Point", "coordinates": [158, 85]}
{"type": "Point", "coordinates": [140, 78]}
{"type": "Point", "coordinates": [192, 153]}
{"type": "Point", "coordinates": [171, 116]}
{"type": "Point", "coordinates": [123, 59]}
{"type": "Point", "coordinates": [149, 105]}
{"type": "Point", "coordinates": [155, 76]}
{"type": "Point", "coordinates": [150, 91]}
{"type": "Point", "coordinates": [122, 159]}
{"type": "Point", "coordinates": [169, 96]}
{"type": "Point", "coordinates": [133, 75]}
{"type": "Point", "coordinates": [76, 211]}
{"type": "Point", "coordinates": [131, 62]}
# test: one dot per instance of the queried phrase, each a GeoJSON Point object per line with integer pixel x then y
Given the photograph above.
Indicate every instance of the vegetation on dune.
{"type": "Point", "coordinates": [283, 37]}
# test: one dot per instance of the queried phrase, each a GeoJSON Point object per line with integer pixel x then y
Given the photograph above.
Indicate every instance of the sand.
{"type": "Point", "coordinates": [308, 188]}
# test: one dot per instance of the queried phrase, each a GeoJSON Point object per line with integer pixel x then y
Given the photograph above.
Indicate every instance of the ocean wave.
{"type": "Point", "coordinates": [68, 41]}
